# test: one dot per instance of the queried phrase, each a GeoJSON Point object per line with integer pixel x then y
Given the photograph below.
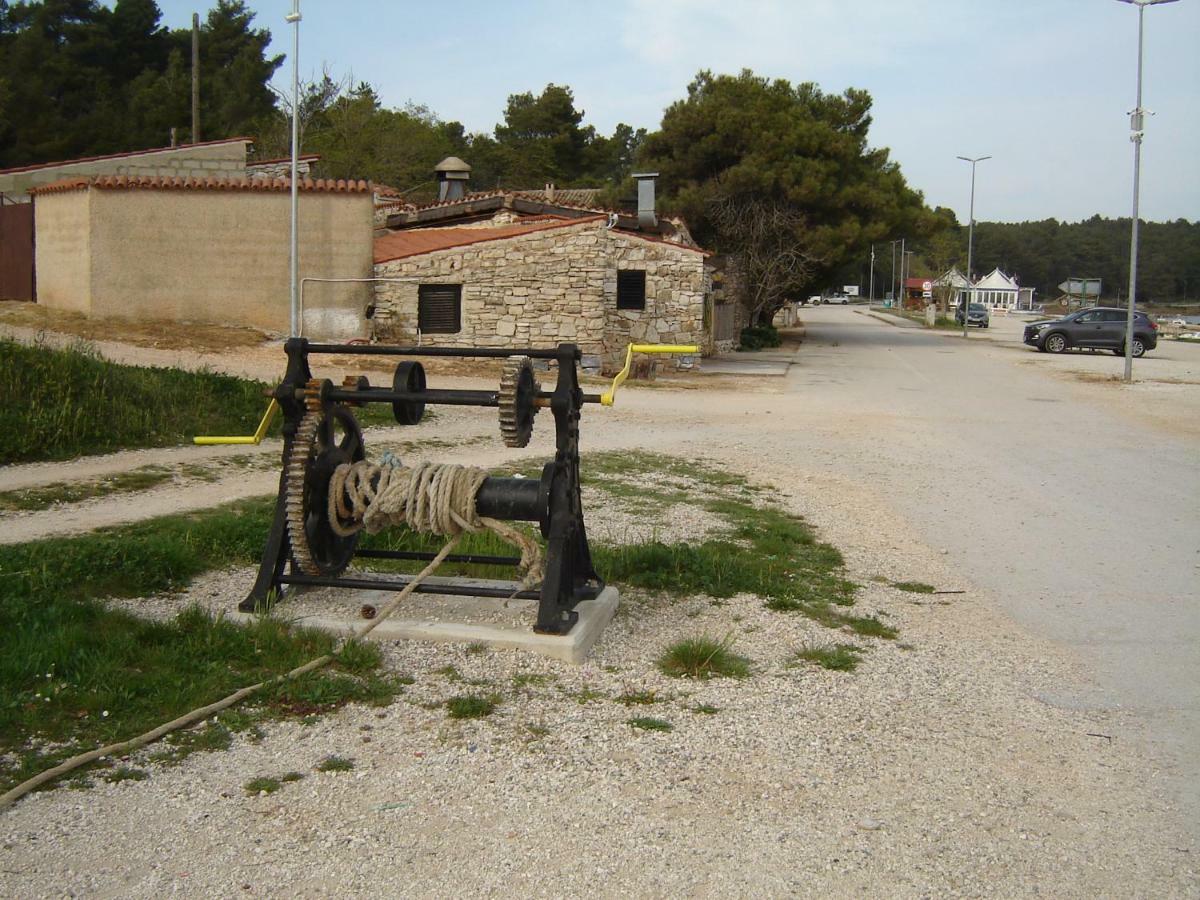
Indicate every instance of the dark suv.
{"type": "Point", "coordinates": [977, 314]}
{"type": "Point", "coordinates": [1100, 328]}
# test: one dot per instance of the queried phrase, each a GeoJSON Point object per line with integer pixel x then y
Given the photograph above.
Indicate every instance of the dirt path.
{"type": "Point", "coordinates": [950, 764]}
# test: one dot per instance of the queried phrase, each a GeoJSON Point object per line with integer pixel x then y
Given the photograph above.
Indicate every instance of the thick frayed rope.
{"type": "Point", "coordinates": [435, 498]}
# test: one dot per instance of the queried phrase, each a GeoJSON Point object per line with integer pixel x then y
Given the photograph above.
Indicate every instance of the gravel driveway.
{"type": "Point", "coordinates": [986, 752]}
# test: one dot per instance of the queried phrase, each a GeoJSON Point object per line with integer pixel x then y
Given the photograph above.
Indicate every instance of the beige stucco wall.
{"type": "Point", "coordinates": [220, 256]}
{"type": "Point", "coordinates": [213, 161]}
{"type": "Point", "coordinates": [62, 250]}
{"type": "Point", "coordinates": [539, 289]}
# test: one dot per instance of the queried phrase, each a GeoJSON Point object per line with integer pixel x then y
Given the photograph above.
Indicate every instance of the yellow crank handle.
{"type": "Point", "coordinates": [255, 438]}
{"type": "Point", "coordinates": [609, 396]}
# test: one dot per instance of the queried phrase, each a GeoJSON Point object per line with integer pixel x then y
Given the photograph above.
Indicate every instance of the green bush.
{"type": "Point", "coordinates": [758, 337]}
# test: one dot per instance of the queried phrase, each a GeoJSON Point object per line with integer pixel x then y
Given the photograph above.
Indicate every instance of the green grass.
{"type": "Point", "coordinates": [58, 404]}
{"type": "Point", "coordinates": [914, 587]}
{"type": "Point", "coordinates": [838, 658]}
{"type": "Point", "coordinates": [703, 657]}
{"type": "Point", "coordinates": [125, 773]}
{"type": "Point", "coordinates": [648, 723]}
{"type": "Point", "coordinates": [75, 492]}
{"type": "Point", "coordinates": [706, 709]}
{"type": "Point", "coordinates": [262, 785]}
{"type": "Point", "coordinates": [335, 764]}
{"type": "Point", "coordinates": [471, 706]}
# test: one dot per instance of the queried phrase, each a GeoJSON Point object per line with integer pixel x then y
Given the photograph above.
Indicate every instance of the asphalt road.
{"type": "Point", "coordinates": [1075, 509]}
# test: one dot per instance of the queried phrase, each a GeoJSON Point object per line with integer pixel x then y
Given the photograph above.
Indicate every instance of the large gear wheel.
{"type": "Point", "coordinates": [327, 437]}
{"type": "Point", "coordinates": [518, 393]}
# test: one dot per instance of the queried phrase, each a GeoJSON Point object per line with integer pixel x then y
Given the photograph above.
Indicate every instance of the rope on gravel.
{"type": "Point", "coordinates": [204, 712]}
{"type": "Point", "coordinates": [437, 498]}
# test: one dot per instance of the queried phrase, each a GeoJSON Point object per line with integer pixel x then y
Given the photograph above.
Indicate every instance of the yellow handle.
{"type": "Point", "coordinates": [255, 438]}
{"type": "Point", "coordinates": [609, 396]}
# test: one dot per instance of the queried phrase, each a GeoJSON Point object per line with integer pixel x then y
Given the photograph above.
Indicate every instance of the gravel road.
{"type": "Point", "coordinates": [990, 751]}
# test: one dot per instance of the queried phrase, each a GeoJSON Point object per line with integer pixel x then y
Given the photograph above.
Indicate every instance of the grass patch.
{"type": "Point", "coordinates": [335, 764]}
{"type": "Point", "coordinates": [75, 492]}
{"type": "Point", "coordinates": [471, 706]}
{"type": "Point", "coordinates": [706, 709]}
{"type": "Point", "coordinates": [914, 587]}
{"type": "Point", "coordinates": [703, 657]}
{"type": "Point", "coordinates": [75, 674]}
{"type": "Point", "coordinates": [648, 723]}
{"type": "Point", "coordinates": [839, 658]}
{"type": "Point", "coordinates": [289, 777]}
{"type": "Point", "coordinates": [262, 785]}
{"type": "Point", "coordinates": [66, 403]}
{"type": "Point", "coordinates": [531, 679]}
{"type": "Point", "coordinates": [125, 773]}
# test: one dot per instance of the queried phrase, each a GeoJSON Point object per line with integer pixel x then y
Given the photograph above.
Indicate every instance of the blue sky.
{"type": "Point", "coordinates": [1042, 86]}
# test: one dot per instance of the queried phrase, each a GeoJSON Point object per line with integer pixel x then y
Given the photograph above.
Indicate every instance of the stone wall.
{"type": "Point", "coordinates": [226, 159]}
{"type": "Point", "coordinates": [551, 286]}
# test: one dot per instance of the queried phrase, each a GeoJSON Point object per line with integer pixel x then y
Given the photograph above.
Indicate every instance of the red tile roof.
{"type": "Point", "coordinates": [174, 183]}
{"type": "Point", "coordinates": [401, 244]}
{"type": "Point", "coordinates": [88, 159]}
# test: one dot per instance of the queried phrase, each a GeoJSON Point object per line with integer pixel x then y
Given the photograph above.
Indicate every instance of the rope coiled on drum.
{"type": "Point", "coordinates": [434, 498]}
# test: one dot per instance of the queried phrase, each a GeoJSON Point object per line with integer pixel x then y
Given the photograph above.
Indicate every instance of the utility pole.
{"type": "Point", "coordinates": [900, 292]}
{"type": "Point", "coordinates": [195, 78]}
{"type": "Point", "coordinates": [893, 282]}
{"type": "Point", "coordinates": [871, 290]}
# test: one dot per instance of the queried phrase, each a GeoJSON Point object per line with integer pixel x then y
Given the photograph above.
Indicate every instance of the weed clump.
{"type": "Point", "coordinates": [262, 785]}
{"type": "Point", "coordinates": [838, 658]}
{"type": "Point", "coordinates": [471, 706]}
{"type": "Point", "coordinates": [335, 764]}
{"type": "Point", "coordinates": [914, 587]}
{"type": "Point", "coordinates": [703, 657]}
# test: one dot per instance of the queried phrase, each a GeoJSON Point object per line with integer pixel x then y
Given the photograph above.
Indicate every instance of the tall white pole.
{"type": "Point", "coordinates": [964, 305]}
{"type": "Point", "coordinates": [1136, 126]}
{"type": "Point", "coordinates": [871, 290]}
{"type": "Point", "coordinates": [294, 19]}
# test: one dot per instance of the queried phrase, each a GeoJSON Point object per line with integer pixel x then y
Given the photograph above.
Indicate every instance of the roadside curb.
{"type": "Point", "coordinates": [896, 321]}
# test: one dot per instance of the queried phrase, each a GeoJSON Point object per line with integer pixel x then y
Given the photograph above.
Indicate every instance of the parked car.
{"type": "Point", "coordinates": [977, 314]}
{"type": "Point", "coordinates": [1100, 328]}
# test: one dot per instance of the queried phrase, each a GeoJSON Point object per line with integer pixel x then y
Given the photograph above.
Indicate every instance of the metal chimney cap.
{"type": "Point", "coordinates": [452, 164]}
{"type": "Point", "coordinates": [645, 175]}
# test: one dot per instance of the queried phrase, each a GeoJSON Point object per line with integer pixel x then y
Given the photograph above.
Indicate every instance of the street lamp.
{"type": "Point", "coordinates": [1136, 122]}
{"type": "Point", "coordinates": [293, 18]}
{"type": "Point", "coordinates": [964, 306]}
{"type": "Point", "coordinates": [893, 283]}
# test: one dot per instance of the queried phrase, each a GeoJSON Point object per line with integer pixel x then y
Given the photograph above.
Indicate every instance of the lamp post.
{"type": "Point", "coordinates": [871, 289]}
{"type": "Point", "coordinates": [1136, 123]}
{"type": "Point", "coordinates": [293, 18]}
{"type": "Point", "coordinates": [893, 290]}
{"type": "Point", "coordinates": [965, 305]}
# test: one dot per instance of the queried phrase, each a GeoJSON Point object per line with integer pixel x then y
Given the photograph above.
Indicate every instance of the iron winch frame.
{"type": "Point", "coordinates": [553, 501]}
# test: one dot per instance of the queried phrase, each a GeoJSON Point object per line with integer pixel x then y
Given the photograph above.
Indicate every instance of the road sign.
{"type": "Point", "coordinates": [850, 290]}
{"type": "Point", "coordinates": [927, 287]}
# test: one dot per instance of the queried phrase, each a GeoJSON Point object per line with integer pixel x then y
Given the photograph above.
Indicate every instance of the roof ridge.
{"type": "Point", "coordinates": [33, 167]}
{"type": "Point", "coordinates": [175, 182]}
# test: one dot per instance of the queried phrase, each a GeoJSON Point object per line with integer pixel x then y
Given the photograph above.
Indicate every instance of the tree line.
{"type": "Point", "coordinates": [780, 176]}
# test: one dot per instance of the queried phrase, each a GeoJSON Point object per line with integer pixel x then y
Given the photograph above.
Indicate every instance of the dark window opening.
{"type": "Point", "coordinates": [631, 289]}
{"type": "Point", "coordinates": [439, 308]}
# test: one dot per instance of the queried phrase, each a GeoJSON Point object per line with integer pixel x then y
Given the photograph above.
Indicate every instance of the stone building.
{"type": "Point", "coordinates": [204, 250]}
{"type": "Point", "coordinates": [538, 282]}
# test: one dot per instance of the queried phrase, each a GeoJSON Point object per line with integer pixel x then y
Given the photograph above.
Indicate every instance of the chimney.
{"type": "Point", "coordinates": [645, 213]}
{"type": "Point", "coordinates": [452, 175]}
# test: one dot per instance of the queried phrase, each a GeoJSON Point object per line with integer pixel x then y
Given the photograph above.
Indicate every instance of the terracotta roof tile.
{"type": "Point", "coordinates": [416, 242]}
{"type": "Point", "coordinates": [88, 159]}
{"type": "Point", "coordinates": [174, 183]}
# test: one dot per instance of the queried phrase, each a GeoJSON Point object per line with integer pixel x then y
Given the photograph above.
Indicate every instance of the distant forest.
{"type": "Point", "coordinates": [79, 79]}
{"type": "Point", "coordinates": [1044, 254]}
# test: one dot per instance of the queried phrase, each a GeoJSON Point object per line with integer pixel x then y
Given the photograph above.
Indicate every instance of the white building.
{"type": "Point", "coordinates": [995, 290]}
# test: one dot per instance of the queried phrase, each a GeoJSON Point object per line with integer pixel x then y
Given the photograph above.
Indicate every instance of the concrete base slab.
{"type": "Point", "coordinates": [758, 367]}
{"type": "Point", "coordinates": [433, 617]}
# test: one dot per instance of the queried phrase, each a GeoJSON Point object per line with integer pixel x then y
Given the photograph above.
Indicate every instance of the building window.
{"type": "Point", "coordinates": [439, 308]}
{"type": "Point", "coordinates": [631, 289]}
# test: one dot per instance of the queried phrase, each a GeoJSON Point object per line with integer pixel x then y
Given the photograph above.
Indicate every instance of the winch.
{"type": "Point", "coordinates": [329, 492]}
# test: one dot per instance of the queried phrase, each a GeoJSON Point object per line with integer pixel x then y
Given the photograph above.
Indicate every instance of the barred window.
{"type": "Point", "coordinates": [439, 308]}
{"type": "Point", "coordinates": [631, 289]}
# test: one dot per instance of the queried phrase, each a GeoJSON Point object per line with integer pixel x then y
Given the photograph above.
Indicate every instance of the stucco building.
{"type": "Point", "coordinates": [204, 250]}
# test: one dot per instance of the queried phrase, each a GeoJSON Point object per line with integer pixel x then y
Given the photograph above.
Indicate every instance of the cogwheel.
{"type": "Point", "coordinates": [518, 391]}
{"type": "Point", "coordinates": [315, 451]}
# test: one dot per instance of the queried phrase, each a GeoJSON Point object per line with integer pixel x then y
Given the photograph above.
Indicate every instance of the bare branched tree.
{"type": "Point", "coordinates": [764, 233]}
{"type": "Point", "coordinates": [316, 96]}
